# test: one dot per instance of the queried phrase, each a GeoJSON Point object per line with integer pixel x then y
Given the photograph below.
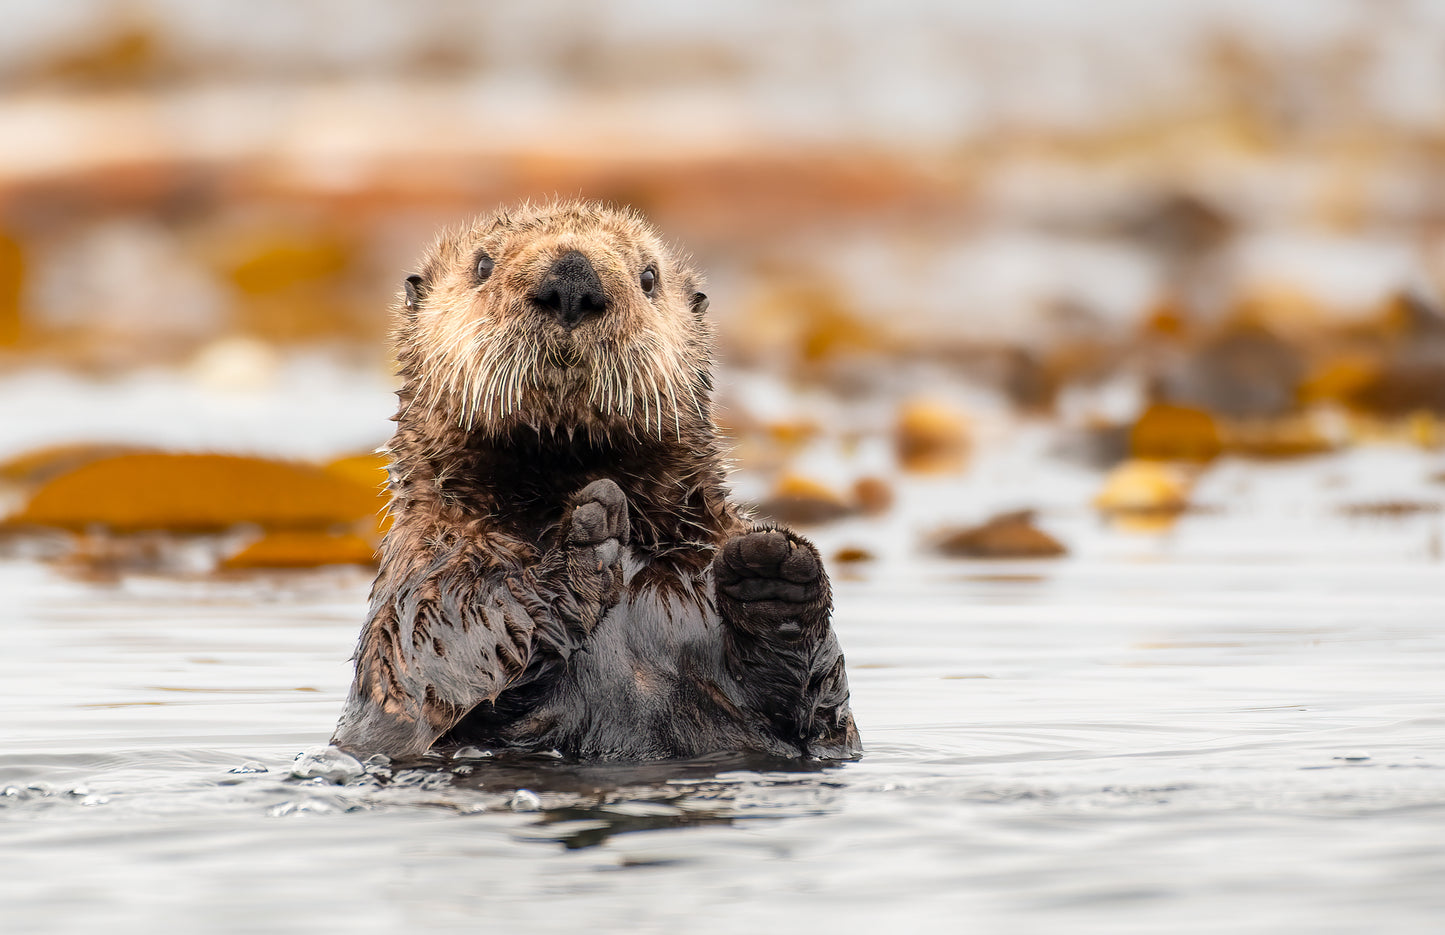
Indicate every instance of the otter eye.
{"type": "Point", "coordinates": [649, 280]}
{"type": "Point", "coordinates": [485, 265]}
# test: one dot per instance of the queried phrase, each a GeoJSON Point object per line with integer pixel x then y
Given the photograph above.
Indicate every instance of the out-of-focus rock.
{"type": "Point", "coordinates": [302, 549]}
{"type": "Point", "coordinates": [1008, 535]}
{"type": "Point", "coordinates": [195, 493]}
{"type": "Point", "coordinates": [791, 435]}
{"type": "Point", "coordinates": [1411, 379]}
{"type": "Point", "coordinates": [236, 364]}
{"type": "Point", "coordinates": [1165, 321]}
{"type": "Point", "coordinates": [1144, 487]}
{"type": "Point", "coordinates": [1098, 444]}
{"type": "Point", "coordinates": [852, 555]}
{"type": "Point", "coordinates": [1029, 382]}
{"type": "Point", "coordinates": [1244, 372]}
{"type": "Point", "coordinates": [800, 500]}
{"type": "Point", "coordinates": [1283, 309]}
{"type": "Point", "coordinates": [41, 464]}
{"type": "Point", "coordinates": [1410, 382]}
{"type": "Point", "coordinates": [1180, 226]}
{"type": "Point", "coordinates": [1340, 377]}
{"type": "Point", "coordinates": [806, 502]}
{"type": "Point", "coordinates": [931, 437]}
{"type": "Point", "coordinates": [12, 281]}
{"type": "Point", "coordinates": [1175, 433]}
{"type": "Point", "coordinates": [1409, 316]}
{"type": "Point", "coordinates": [1407, 370]}
{"type": "Point", "coordinates": [1185, 234]}
{"type": "Point", "coordinates": [873, 495]}
{"type": "Point", "coordinates": [1291, 437]}
{"type": "Point", "coordinates": [813, 322]}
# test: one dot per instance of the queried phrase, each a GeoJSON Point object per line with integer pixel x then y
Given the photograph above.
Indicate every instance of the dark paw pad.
{"type": "Point", "coordinates": [600, 514]}
{"type": "Point", "coordinates": [769, 565]}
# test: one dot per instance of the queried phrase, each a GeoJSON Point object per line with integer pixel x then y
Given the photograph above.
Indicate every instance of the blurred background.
{"type": "Point", "coordinates": [1126, 236]}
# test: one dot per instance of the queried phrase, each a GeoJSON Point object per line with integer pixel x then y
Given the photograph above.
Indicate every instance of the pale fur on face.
{"type": "Point", "coordinates": [488, 353]}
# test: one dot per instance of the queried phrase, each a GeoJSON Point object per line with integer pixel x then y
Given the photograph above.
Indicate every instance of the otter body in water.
{"type": "Point", "coordinates": [564, 569]}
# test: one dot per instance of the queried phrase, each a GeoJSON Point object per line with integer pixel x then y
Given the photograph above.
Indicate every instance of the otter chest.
{"type": "Point", "coordinates": [650, 681]}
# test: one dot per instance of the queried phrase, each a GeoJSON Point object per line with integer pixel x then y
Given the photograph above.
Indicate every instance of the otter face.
{"type": "Point", "coordinates": [561, 317]}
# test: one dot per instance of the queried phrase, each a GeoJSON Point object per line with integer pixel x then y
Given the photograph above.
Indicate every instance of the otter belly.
{"type": "Point", "coordinates": [649, 682]}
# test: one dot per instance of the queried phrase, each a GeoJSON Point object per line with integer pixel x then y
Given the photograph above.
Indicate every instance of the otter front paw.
{"type": "Point", "coordinates": [771, 577]}
{"type": "Point", "coordinates": [599, 521]}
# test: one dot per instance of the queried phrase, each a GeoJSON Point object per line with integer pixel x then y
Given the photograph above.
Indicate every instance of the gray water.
{"type": "Point", "coordinates": [1233, 725]}
{"type": "Point", "coordinates": [1156, 737]}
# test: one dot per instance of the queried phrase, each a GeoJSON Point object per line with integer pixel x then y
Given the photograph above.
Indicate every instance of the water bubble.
{"type": "Point", "coordinates": [421, 778]}
{"type": "Point", "coordinates": [250, 766]}
{"type": "Point", "coordinates": [304, 807]}
{"type": "Point", "coordinates": [525, 800]}
{"type": "Point", "coordinates": [1354, 756]}
{"type": "Point", "coordinates": [328, 764]}
{"type": "Point", "coordinates": [471, 753]}
{"type": "Point", "coordinates": [78, 792]}
{"type": "Point", "coordinates": [378, 765]}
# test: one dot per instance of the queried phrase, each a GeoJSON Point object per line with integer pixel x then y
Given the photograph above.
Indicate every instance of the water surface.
{"type": "Point", "coordinates": [1237, 725]}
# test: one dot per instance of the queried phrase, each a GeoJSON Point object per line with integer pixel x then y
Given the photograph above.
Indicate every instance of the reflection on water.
{"type": "Point", "coordinates": [622, 800]}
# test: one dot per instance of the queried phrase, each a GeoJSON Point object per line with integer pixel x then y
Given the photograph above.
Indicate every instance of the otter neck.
{"type": "Point", "coordinates": [526, 478]}
{"type": "Point", "coordinates": [519, 481]}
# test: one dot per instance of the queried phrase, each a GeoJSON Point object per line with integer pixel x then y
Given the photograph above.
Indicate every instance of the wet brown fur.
{"type": "Point", "coordinates": [504, 415]}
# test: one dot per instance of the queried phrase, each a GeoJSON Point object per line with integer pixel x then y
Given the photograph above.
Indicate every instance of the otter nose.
{"type": "Point", "coordinates": [571, 290]}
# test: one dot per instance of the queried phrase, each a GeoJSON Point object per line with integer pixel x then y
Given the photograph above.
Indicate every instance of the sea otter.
{"type": "Point", "coordinates": [564, 570]}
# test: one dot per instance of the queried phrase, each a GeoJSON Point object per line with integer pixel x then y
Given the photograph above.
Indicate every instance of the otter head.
{"type": "Point", "coordinates": [569, 317]}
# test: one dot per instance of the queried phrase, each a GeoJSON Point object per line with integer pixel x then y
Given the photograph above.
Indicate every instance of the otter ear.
{"type": "Point", "coordinates": [699, 304]}
{"type": "Point", "coordinates": [415, 289]}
